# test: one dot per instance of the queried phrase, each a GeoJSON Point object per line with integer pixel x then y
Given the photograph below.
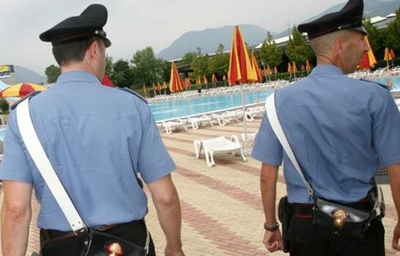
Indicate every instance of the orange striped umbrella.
{"type": "Point", "coordinates": [275, 70]}
{"type": "Point", "coordinates": [308, 67]}
{"type": "Point", "coordinates": [205, 80]}
{"type": "Point", "coordinates": [294, 67]}
{"type": "Point", "coordinates": [158, 86]}
{"type": "Point", "coordinates": [214, 78]}
{"type": "Point", "coordinates": [392, 54]}
{"type": "Point", "coordinates": [387, 56]}
{"type": "Point", "coordinates": [240, 70]}
{"type": "Point", "coordinates": [21, 90]}
{"type": "Point", "coordinates": [165, 85]}
{"type": "Point", "coordinates": [176, 83]}
{"type": "Point", "coordinates": [289, 68]}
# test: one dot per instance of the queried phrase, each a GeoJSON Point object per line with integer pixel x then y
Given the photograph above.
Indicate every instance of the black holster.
{"type": "Point", "coordinates": [284, 215]}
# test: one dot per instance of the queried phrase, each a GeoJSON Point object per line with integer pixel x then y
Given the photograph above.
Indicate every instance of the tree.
{"type": "Point", "coordinates": [122, 73]}
{"type": "Point", "coordinates": [200, 65]}
{"type": "Point", "coordinates": [147, 69]}
{"type": "Point", "coordinates": [270, 53]}
{"type": "Point", "coordinates": [4, 106]}
{"type": "Point", "coordinates": [52, 72]}
{"type": "Point", "coordinates": [219, 63]}
{"type": "Point", "coordinates": [188, 58]}
{"type": "Point", "coordinates": [109, 65]}
{"type": "Point", "coordinates": [393, 32]}
{"type": "Point", "coordinates": [297, 48]}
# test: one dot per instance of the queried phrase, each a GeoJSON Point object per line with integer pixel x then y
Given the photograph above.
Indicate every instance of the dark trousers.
{"type": "Point", "coordinates": [306, 239]}
{"type": "Point", "coordinates": [67, 244]}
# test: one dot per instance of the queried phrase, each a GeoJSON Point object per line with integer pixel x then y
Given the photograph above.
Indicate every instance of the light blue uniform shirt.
{"type": "Point", "coordinates": [340, 129]}
{"type": "Point", "coordinates": [98, 139]}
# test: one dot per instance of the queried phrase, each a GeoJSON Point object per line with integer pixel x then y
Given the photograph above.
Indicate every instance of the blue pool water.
{"type": "Point", "coordinates": [2, 132]}
{"type": "Point", "coordinates": [190, 106]}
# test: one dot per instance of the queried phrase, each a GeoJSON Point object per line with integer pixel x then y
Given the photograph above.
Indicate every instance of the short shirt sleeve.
{"type": "Point", "coordinates": [386, 130]}
{"type": "Point", "coordinates": [267, 148]}
{"type": "Point", "coordinates": [154, 160]}
{"type": "Point", "coordinates": [14, 165]}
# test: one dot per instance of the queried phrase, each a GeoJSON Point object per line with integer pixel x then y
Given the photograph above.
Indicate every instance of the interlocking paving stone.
{"type": "Point", "coordinates": [221, 205]}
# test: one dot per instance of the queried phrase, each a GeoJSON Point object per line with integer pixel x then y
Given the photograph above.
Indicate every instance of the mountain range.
{"type": "Point", "coordinates": [209, 39]}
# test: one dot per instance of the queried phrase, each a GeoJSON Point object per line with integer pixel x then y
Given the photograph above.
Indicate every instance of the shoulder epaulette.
{"type": "Point", "coordinates": [375, 82]}
{"type": "Point", "coordinates": [134, 93]}
{"type": "Point", "coordinates": [30, 95]}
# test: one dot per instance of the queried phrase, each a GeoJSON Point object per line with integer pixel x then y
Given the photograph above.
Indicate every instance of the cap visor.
{"type": "Point", "coordinates": [360, 29]}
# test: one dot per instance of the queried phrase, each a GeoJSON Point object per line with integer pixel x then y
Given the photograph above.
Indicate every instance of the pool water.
{"type": "Point", "coordinates": [190, 106]}
{"type": "Point", "coordinates": [2, 132]}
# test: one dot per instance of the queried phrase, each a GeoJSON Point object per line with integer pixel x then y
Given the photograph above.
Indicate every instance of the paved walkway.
{"type": "Point", "coordinates": [222, 212]}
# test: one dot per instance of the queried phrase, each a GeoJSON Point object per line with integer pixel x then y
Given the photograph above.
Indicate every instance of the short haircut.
{"type": "Point", "coordinates": [72, 51]}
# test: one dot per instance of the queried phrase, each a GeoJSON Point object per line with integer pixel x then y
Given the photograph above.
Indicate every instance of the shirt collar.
{"type": "Point", "coordinates": [327, 69]}
{"type": "Point", "coordinates": [77, 76]}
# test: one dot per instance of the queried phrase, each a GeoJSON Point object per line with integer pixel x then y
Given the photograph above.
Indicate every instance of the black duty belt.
{"type": "Point", "coordinates": [51, 235]}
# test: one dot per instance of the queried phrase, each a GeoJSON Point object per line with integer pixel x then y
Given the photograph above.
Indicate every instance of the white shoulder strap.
{"type": "Point", "coordinates": [277, 128]}
{"type": "Point", "coordinates": [42, 162]}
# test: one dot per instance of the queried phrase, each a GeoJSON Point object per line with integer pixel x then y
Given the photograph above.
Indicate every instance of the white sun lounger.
{"type": "Point", "coordinates": [197, 122]}
{"type": "Point", "coordinates": [172, 125]}
{"type": "Point", "coordinates": [218, 145]}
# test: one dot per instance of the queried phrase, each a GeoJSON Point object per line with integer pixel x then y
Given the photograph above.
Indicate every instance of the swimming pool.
{"type": "Point", "coordinates": [184, 107]}
{"type": "Point", "coordinates": [191, 106]}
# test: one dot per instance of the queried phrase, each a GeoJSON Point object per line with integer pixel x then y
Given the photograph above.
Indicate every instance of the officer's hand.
{"type": "Point", "coordinates": [396, 237]}
{"type": "Point", "coordinates": [171, 252]}
{"type": "Point", "coordinates": [273, 241]}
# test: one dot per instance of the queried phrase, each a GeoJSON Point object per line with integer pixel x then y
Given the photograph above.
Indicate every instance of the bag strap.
{"type": "Point", "coordinates": [277, 128]}
{"type": "Point", "coordinates": [42, 162]}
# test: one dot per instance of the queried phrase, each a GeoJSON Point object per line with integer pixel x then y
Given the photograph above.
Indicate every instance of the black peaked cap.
{"type": "Point", "coordinates": [89, 23]}
{"type": "Point", "coordinates": [349, 17]}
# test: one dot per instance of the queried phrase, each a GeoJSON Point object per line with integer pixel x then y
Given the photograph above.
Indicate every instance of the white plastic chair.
{"type": "Point", "coordinates": [172, 125]}
{"type": "Point", "coordinates": [197, 122]}
{"type": "Point", "coordinates": [218, 145]}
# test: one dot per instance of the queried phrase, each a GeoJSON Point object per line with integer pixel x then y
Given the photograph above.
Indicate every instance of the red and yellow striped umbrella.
{"type": "Point", "coordinates": [240, 70]}
{"type": "Point", "coordinates": [21, 90]}
{"type": "Point", "coordinates": [255, 67]}
{"type": "Point", "coordinates": [176, 83]}
{"type": "Point", "coordinates": [369, 60]}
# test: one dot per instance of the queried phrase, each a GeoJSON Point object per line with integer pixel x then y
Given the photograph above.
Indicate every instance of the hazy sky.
{"type": "Point", "coordinates": [133, 25]}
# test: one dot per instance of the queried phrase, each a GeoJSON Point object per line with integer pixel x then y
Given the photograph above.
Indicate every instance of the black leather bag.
{"type": "Point", "coordinates": [103, 244]}
{"type": "Point", "coordinates": [341, 219]}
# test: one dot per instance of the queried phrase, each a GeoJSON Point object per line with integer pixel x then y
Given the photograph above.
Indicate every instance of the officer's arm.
{"type": "Point", "coordinates": [166, 201]}
{"type": "Point", "coordinates": [394, 177]}
{"type": "Point", "coordinates": [268, 179]}
{"type": "Point", "coordinates": [16, 216]}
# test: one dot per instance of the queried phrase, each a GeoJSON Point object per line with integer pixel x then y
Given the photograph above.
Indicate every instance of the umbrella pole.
{"type": "Point", "coordinates": [244, 120]}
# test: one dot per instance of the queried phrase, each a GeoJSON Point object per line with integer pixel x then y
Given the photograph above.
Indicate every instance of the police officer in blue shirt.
{"type": "Point", "coordinates": [341, 130]}
{"type": "Point", "coordinates": [101, 141]}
